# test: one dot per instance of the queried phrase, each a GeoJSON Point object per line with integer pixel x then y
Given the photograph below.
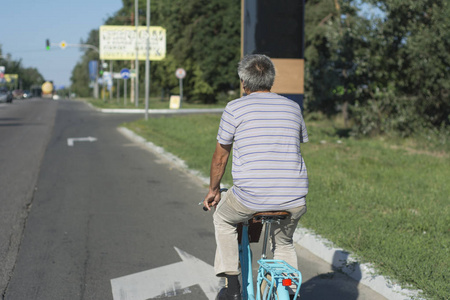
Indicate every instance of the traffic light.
{"type": "Point", "coordinates": [47, 44]}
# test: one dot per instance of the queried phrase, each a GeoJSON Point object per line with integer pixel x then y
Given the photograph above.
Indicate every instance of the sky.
{"type": "Point", "coordinates": [26, 24]}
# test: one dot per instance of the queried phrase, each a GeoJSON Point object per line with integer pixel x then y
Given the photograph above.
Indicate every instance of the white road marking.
{"type": "Point", "coordinates": [168, 280]}
{"type": "Point", "coordinates": [71, 141]}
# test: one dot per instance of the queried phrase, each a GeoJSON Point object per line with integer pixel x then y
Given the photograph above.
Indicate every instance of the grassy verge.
{"type": "Point", "coordinates": [154, 103]}
{"type": "Point", "coordinates": [384, 200]}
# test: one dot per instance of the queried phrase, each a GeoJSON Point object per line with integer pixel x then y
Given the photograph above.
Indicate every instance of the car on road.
{"type": "Point", "coordinates": [3, 97]}
{"type": "Point", "coordinates": [6, 96]}
{"type": "Point", "coordinates": [27, 94]}
{"type": "Point", "coordinates": [17, 94]}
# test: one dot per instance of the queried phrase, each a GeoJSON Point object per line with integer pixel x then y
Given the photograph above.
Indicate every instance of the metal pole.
{"type": "Point", "coordinates": [111, 74]}
{"type": "Point", "coordinates": [181, 92]}
{"type": "Point", "coordinates": [96, 83]}
{"type": "Point", "coordinates": [147, 63]}
{"type": "Point", "coordinates": [136, 18]}
{"type": "Point", "coordinates": [118, 90]}
{"type": "Point", "coordinates": [103, 83]}
{"type": "Point", "coordinates": [125, 92]}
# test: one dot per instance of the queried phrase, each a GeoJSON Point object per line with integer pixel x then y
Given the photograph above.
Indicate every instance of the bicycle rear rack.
{"type": "Point", "coordinates": [278, 273]}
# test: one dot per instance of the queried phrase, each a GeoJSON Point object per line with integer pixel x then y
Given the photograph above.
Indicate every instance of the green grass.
{"type": "Point", "coordinates": [385, 200]}
{"type": "Point", "coordinates": [154, 103]}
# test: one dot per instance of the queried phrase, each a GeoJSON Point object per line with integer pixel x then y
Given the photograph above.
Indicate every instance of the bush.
{"type": "Point", "coordinates": [387, 113]}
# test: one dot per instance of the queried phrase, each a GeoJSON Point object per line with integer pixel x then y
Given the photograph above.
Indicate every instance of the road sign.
{"type": "Point", "coordinates": [107, 77]}
{"type": "Point", "coordinates": [93, 69]}
{"type": "Point", "coordinates": [119, 42]}
{"type": "Point", "coordinates": [180, 73]}
{"type": "Point", "coordinates": [125, 73]}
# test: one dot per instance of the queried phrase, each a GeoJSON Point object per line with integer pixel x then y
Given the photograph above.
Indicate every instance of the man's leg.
{"type": "Point", "coordinates": [281, 236]}
{"type": "Point", "coordinates": [282, 239]}
{"type": "Point", "coordinates": [229, 212]}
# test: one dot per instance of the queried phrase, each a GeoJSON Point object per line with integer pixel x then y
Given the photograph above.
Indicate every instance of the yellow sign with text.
{"type": "Point", "coordinates": [174, 102]}
{"type": "Point", "coordinates": [122, 42]}
{"type": "Point", "coordinates": [11, 77]}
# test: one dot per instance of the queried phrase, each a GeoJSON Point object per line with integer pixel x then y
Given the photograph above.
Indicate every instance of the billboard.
{"type": "Point", "coordinates": [276, 28]}
{"type": "Point", "coordinates": [120, 42]}
{"type": "Point", "coordinates": [10, 78]}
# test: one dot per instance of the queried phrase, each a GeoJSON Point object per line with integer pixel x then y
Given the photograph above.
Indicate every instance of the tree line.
{"type": "Point", "coordinates": [28, 77]}
{"type": "Point", "coordinates": [386, 71]}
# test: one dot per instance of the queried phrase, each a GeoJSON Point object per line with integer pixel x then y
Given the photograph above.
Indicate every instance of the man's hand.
{"type": "Point", "coordinates": [218, 165]}
{"type": "Point", "coordinates": [211, 199]}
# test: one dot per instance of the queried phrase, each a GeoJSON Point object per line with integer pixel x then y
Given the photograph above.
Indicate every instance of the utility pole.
{"type": "Point", "coordinates": [147, 63]}
{"type": "Point", "coordinates": [112, 79]}
{"type": "Point", "coordinates": [136, 21]}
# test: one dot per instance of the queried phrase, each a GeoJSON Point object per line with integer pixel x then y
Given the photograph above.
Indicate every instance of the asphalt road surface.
{"type": "Point", "coordinates": [88, 214]}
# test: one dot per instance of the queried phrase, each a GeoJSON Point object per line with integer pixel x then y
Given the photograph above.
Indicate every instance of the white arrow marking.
{"type": "Point", "coordinates": [167, 280]}
{"type": "Point", "coordinates": [70, 141]}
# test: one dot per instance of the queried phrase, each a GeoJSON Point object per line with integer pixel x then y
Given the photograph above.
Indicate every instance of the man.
{"type": "Point", "coordinates": [265, 131]}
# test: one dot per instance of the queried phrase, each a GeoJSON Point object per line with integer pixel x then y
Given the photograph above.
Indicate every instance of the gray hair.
{"type": "Point", "coordinates": [256, 72]}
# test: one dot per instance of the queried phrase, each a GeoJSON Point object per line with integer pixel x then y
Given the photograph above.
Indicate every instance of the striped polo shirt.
{"type": "Point", "coordinates": [268, 170]}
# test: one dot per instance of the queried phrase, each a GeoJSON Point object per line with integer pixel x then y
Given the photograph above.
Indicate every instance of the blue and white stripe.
{"type": "Point", "coordinates": [268, 170]}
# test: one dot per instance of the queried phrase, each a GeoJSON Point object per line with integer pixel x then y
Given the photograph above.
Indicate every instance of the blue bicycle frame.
{"type": "Point", "coordinates": [277, 273]}
{"type": "Point", "coordinates": [245, 256]}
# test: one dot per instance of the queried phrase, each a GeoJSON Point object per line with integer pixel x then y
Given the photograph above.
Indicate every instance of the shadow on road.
{"type": "Point", "coordinates": [334, 285]}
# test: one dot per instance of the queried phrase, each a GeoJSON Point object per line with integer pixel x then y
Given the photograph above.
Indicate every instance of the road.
{"type": "Point", "coordinates": [96, 217]}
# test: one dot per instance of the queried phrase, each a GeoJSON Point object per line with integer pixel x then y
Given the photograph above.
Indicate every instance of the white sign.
{"type": "Point", "coordinates": [107, 77]}
{"type": "Point", "coordinates": [168, 281]}
{"type": "Point", "coordinates": [180, 73]}
{"type": "Point", "coordinates": [119, 42]}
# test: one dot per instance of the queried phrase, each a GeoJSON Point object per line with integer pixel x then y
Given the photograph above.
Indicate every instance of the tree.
{"type": "Point", "coordinates": [392, 70]}
{"type": "Point", "coordinates": [419, 32]}
{"type": "Point", "coordinates": [203, 37]}
{"type": "Point", "coordinates": [336, 55]}
{"type": "Point", "coordinates": [80, 73]}
{"type": "Point", "coordinates": [27, 76]}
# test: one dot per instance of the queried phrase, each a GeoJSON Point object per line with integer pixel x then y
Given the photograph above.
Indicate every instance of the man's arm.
{"type": "Point", "coordinates": [218, 165]}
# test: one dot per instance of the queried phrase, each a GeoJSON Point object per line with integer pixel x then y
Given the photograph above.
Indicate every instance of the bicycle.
{"type": "Point", "coordinates": [274, 276]}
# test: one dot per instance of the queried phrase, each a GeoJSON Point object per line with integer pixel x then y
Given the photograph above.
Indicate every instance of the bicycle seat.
{"type": "Point", "coordinates": [271, 215]}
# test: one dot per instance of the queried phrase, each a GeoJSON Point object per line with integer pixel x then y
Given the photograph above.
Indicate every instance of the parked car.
{"type": "Point", "coordinates": [3, 96]}
{"type": "Point", "coordinates": [6, 96]}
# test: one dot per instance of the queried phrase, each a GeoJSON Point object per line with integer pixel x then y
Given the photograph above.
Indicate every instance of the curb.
{"type": "Point", "coordinates": [306, 238]}
{"type": "Point", "coordinates": [162, 111]}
